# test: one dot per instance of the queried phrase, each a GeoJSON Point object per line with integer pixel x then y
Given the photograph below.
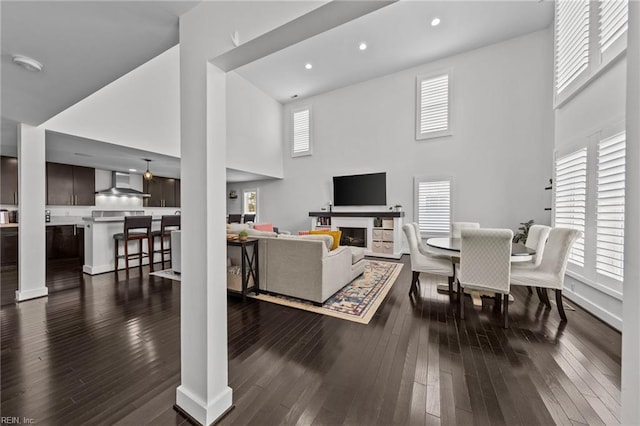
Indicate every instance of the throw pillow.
{"type": "Point", "coordinates": [263, 227]}
{"type": "Point", "coordinates": [335, 234]}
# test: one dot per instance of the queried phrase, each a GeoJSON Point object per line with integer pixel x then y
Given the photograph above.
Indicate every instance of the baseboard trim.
{"type": "Point", "coordinates": [194, 421]}
{"type": "Point", "coordinates": [201, 412]}
{"type": "Point", "coordinates": [593, 309]}
{"type": "Point", "coordinates": [35, 293]}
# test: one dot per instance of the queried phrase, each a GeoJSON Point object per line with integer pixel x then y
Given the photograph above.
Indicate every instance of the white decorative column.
{"type": "Point", "coordinates": [203, 393]}
{"type": "Point", "coordinates": [31, 204]}
{"type": "Point", "coordinates": [631, 290]}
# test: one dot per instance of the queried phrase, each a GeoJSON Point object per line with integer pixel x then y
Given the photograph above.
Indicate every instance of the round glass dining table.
{"type": "Point", "coordinates": [451, 247]}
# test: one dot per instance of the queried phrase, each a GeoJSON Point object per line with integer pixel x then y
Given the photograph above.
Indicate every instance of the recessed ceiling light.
{"type": "Point", "coordinates": [132, 170]}
{"type": "Point", "coordinates": [435, 22]}
{"type": "Point", "coordinates": [363, 46]}
{"type": "Point", "coordinates": [27, 63]}
{"type": "Point", "coordinates": [308, 66]}
{"type": "Point", "coordinates": [294, 96]}
{"type": "Point", "coordinates": [82, 154]}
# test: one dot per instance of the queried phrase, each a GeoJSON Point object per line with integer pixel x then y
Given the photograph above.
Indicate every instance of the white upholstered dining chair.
{"type": "Point", "coordinates": [424, 262]}
{"type": "Point", "coordinates": [457, 227]}
{"type": "Point", "coordinates": [485, 265]}
{"type": "Point", "coordinates": [550, 272]}
{"type": "Point", "coordinates": [536, 240]}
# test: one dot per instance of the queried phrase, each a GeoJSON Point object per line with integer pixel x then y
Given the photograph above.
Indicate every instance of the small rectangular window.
{"type": "Point", "coordinates": [250, 201]}
{"type": "Point", "coordinates": [301, 132]}
{"type": "Point", "coordinates": [433, 206]}
{"type": "Point", "coordinates": [571, 198]}
{"type": "Point", "coordinates": [610, 207]}
{"type": "Point", "coordinates": [433, 106]}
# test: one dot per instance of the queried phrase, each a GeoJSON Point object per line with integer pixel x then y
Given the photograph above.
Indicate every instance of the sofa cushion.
{"type": "Point", "coordinates": [259, 234]}
{"type": "Point", "coordinates": [326, 239]}
{"type": "Point", "coordinates": [263, 227]}
{"type": "Point", "coordinates": [335, 234]}
{"type": "Point", "coordinates": [234, 228]}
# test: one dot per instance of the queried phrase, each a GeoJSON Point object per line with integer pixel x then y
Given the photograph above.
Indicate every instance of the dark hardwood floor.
{"type": "Point", "coordinates": [108, 352]}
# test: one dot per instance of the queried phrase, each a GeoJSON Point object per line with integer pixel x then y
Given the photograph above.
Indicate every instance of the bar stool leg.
{"type": "Point", "coordinates": [140, 254]}
{"type": "Point", "coordinates": [115, 257]}
{"type": "Point", "coordinates": [149, 250]}
{"type": "Point", "coordinates": [162, 248]}
{"type": "Point", "coordinates": [126, 254]}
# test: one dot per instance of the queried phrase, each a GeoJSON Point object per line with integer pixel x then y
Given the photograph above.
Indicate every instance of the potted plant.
{"type": "Point", "coordinates": [242, 235]}
{"type": "Point", "coordinates": [521, 237]}
{"type": "Point", "coordinates": [398, 207]}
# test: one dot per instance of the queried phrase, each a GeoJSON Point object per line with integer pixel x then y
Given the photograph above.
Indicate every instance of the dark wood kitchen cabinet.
{"type": "Point", "coordinates": [8, 246]}
{"type": "Point", "coordinates": [165, 192]}
{"type": "Point", "coordinates": [9, 180]}
{"type": "Point", "coordinates": [69, 185]}
{"type": "Point", "coordinates": [65, 242]}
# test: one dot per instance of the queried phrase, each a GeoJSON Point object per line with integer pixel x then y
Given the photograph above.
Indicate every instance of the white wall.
{"type": "Point", "coordinates": [499, 154]}
{"type": "Point", "coordinates": [254, 129]}
{"type": "Point", "coordinates": [597, 106]}
{"type": "Point", "coordinates": [140, 110]}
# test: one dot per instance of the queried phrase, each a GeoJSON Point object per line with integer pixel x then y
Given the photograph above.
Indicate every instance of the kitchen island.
{"type": "Point", "coordinates": [99, 245]}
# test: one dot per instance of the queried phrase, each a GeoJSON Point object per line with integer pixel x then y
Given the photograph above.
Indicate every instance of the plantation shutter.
{"type": "Point", "coordinates": [572, 41]}
{"type": "Point", "coordinates": [301, 132]}
{"type": "Point", "coordinates": [571, 198]}
{"type": "Point", "coordinates": [613, 17]}
{"type": "Point", "coordinates": [433, 105]}
{"type": "Point", "coordinates": [434, 207]}
{"type": "Point", "coordinates": [610, 207]}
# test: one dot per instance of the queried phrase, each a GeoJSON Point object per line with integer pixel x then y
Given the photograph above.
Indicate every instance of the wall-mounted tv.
{"type": "Point", "coordinates": [360, 190]}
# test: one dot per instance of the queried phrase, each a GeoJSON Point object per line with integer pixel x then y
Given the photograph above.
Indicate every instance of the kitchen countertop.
{"type": "Point", "coordinates": [8, 225]}
{"type": "Point", "coordinates": [112, 219]}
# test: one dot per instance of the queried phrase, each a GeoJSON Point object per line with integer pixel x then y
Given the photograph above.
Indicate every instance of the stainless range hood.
{"type": "Point", "coordinates": [120, 186]}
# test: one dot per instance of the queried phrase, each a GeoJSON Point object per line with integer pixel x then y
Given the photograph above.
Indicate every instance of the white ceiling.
{"type": "Point", "coordinates": [398, 36]}
{"type": "Point", "coordinates": [84, 45]}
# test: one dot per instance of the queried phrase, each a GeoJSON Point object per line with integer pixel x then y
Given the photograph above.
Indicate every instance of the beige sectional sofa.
{"type": "Point", "coordinates": [303, 266]}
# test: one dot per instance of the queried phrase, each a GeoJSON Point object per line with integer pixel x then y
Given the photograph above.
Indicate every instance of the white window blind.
{"type": "Point", "coordinates": [434, 206]}
{"type": "Point", "coordinates": [433, 106]}
{"type": "Point", "coordinates": [571, 198]}
{"type": "Point", "coordinates": [610, 207]}
{"type": "Point", "coordinates": [572, 41]}
{"type": "Point", "coordinates": [613, 17]}
{"type": "Point", "coordinates": [301, 132]}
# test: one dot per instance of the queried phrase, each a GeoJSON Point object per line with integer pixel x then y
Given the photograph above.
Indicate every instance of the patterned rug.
{"type": "Point", "coordinates": [167, 273]}
{"type": "Point", "coordinates": [358, 301]}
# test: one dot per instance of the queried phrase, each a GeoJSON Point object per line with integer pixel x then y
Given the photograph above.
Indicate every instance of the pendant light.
{"type": "Point", "coordinates": [147, 175]}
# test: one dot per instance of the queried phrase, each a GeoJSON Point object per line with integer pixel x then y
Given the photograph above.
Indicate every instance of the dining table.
{"type": "Point", "coordinates": [451, 247]}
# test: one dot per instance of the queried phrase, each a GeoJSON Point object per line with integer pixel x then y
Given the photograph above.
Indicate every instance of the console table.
{"type": "Point", "coordinates": [383, 229]}
{"type": "Point", "coordinates": [249, 263]}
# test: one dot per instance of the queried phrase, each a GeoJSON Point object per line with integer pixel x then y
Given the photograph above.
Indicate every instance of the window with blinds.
{"type": "Point", "coordinates": [610, 207]}
{"type": "Point", "coordinates": [572, 41]}
{"type": "Point", "coordinates": [432, 115]}
{"type": "Point", "coordinates": [433, 205]}
{"type": "Point", "coordinates": [613, 17]}
{"type": "Point", "coordinates": [301, 132]}
{"type": "Point", "coordinates": [571, 198]}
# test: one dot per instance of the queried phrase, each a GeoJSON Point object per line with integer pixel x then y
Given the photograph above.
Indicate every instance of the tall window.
{"type": "Point", "coordinates": [433, 106]}
{"type": "Point", "coordinates": [586, 41]}
{"type": "Point", "coordinates": [433, 205]}
{"type": "Point", "coordinates": [572, 41]}
{"type": "Point", "coordinates": [610, 207]}
{"type": "Point", "coordinates": [250, 201]}
{"type": "Point", "coordinates": [571, 198]}
{"type": "Point", "coordinates": [301, 132]}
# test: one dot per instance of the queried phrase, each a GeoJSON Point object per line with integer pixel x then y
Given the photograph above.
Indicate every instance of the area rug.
{"type": "Point", "coordinates": [358, 301]}
{"type": "Point", "coordinates": [167, 273]}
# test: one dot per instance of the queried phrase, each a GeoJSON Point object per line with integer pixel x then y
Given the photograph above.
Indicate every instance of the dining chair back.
{"type": "Point", "coordinates": [457, 227]}
{"type": "Point", "coordinates": [248, 218]}
{"type": "Point", "coordinates": [424, 262]}
{"type": "Point", "coordinates": [537, 240]}
{"type": "Point", "coordinates": [485, 264]}
{"type": "Point", "coordinates": [234, 218]}
{"type": "Point", "coordinates": [550, 273]}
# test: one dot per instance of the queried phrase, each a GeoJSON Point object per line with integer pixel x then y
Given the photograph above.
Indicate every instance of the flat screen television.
{"type": "Point", "coordinates": [360, 190]}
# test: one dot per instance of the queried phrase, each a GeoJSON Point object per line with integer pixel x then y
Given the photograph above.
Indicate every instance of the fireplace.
{"type": "Point", "coordinates": [353, 237]}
